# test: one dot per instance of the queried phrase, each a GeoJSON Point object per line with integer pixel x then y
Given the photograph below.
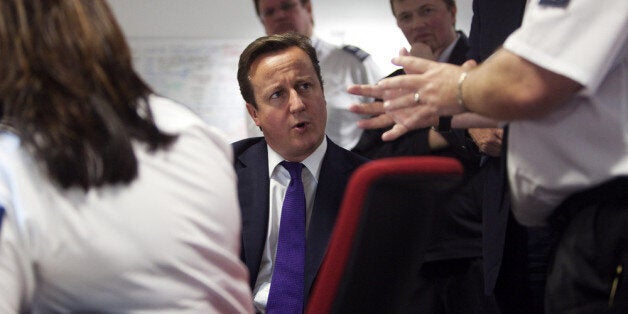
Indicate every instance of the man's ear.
{"type": "Point", "coordinates": [253, 113]}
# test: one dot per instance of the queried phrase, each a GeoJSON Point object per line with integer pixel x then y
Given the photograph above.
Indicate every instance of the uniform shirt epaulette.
{"type": "Point", "coordinates": [359, 53]}
{"type": "Point", "coordinates": [1, 216]}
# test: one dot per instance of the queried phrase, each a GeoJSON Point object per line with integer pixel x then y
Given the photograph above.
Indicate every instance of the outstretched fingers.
{"type": "Point", "coordinates": [369, 108]}
{"type": "Point", "coordinates": [413, 65]}
{"type": "Point", "coordinates": [414, 117]}
{"type": "Point", "coordinates": [397, 131]}
{"type": "Point", "coordinates": [365, 90]}
{"type": "Point", "coordinates": [376, 122]}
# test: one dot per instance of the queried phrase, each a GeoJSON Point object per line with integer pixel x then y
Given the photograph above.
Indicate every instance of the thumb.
{"type": "Point", "coordinates": [469, 64]}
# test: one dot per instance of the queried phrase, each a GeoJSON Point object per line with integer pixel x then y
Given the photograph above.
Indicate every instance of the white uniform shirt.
{"type": "Point", "coordinates": [279, 181]}
{"type": "Point", "coordinates": [166, 243]}
{"type": "Point", "coordinates": [340, 68]}
{"type": "Point", "coordinates": [585, 141]}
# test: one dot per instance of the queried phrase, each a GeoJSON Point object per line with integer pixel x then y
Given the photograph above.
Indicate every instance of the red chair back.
{"type": "Point", "coordinates": [380, 235]}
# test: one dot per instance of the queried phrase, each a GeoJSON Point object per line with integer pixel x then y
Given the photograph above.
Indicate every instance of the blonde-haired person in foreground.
{"type": "Point", "coordinates": [113, 199]}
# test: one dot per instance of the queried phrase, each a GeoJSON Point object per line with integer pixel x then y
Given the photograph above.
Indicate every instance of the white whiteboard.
{"type": "Point", "coordinates": [199, 73]}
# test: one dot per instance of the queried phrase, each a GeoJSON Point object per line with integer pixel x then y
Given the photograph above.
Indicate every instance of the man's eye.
{"type": "Point", "coordinates": [305, 86]}
{"type": "Point", "coordinates": [276, 95]}
{"type": "Point", "coordinates": [268, 13]}
{"type": "Point", "coordinates": [427, 11]}
{"type": "Point", "coordinates": [404, 17]}
{"type": "Point", "coordinates": [287, 6]}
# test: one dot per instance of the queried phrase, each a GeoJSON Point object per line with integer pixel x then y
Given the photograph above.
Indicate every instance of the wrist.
{"type": "Point", "coordinates": [444, 124]}
{"type": "Point", "coordinates": [459, 91]}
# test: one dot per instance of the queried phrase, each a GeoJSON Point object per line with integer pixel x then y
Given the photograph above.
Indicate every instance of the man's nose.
{"type": "Point", "coordinates": [417, 22]}
{"type": "Point", "coordinates": [280, 13]}
{"type": "Point", "coordinates": [296, 103]}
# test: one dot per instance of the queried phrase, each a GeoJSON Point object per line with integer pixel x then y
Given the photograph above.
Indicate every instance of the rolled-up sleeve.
{"type": "Point", "coordinates": [597, 35]}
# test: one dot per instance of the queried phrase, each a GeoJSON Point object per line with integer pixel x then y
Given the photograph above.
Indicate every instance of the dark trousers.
{"type": "Point", "coordinates": [452, 287]}
{"type": "Point", "coordinates": [588, 274]}
{"type": "Point", "coordinates": [520, 286]}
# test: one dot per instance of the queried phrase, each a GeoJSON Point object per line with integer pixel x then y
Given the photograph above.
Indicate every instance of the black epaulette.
{"type": "Point", "coordinates": [1, 215]}
{"type": "Point", "coordinates": [359, 53]}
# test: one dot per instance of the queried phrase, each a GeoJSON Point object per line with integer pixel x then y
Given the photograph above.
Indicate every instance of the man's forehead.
{"type": "Point", "coordinates": [289, 59]}
{"type": "Point", "coordinates": [419, 1]}
{"type": "Point", "coordinates": [269, 3]}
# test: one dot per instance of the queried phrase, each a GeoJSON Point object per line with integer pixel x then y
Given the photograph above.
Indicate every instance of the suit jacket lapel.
{"type": "Point", "coordinates": [335, 172]}
{"type": "Point", "coordinates": [253, 190]}
{"type": "Point", "coordinates": [459, 53]}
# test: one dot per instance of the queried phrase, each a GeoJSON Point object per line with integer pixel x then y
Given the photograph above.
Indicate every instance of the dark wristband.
{"type": "Point", "coordinates": [444, 124]}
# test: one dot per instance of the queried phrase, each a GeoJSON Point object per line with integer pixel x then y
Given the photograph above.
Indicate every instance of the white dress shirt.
{"type": "Point", "coordinates": [279, 181]}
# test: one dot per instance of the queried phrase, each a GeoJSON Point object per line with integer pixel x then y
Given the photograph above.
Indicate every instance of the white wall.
{"type": "Point", "coordinates": [368, 24]}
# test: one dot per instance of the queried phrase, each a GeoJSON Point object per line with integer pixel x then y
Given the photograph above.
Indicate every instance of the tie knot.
{"type": "Point", "coordinates": [294, 168]}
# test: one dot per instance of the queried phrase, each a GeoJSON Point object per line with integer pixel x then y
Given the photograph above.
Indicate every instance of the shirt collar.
{"type": "Point", "coordinates": [444, 57]}
{"type": "Point", "coordinates": [312, 162]}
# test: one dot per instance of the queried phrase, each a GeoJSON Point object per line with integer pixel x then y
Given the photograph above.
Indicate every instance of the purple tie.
{"type": "Point", "coordinates": [286, 288]}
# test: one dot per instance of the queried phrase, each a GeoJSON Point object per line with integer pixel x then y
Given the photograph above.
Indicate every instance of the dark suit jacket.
{"type": "Point", "coordinates": [493, 21]}
{"type": "Point", "coordinates": [415, 142]}
{"type": "Point", "coordinates": [251, 165]}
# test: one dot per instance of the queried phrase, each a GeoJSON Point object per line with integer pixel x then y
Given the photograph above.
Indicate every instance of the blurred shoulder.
{"type": "Point", "coordinates": [346, 53]}
{"type": "Point", "coordinates": [350, 157]}
{"type": "Point", "coordinates": [175, 118]}
{"type": "Point", "coordinates": [356, 52]}
{"type": "Point", "coordinates": [9, 142]}
{"type": "Point", "coordinates": [12, 152]}
{"type": "Point", "coordinates": [169, 114]}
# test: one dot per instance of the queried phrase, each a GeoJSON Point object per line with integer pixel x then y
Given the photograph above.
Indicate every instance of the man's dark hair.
{"type": "Point", "coordinates": [256, 2]}
{"type": "Point", "coordinates": [268, 44]}
{"type": "Point", "coordinates": [450, 4]}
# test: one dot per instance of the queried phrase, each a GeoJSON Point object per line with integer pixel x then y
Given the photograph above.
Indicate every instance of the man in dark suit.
{"type": "Point", "coordinates": [429, 27]}
{"type": "Point", "coordinates": [515, 258]}
{"type": "Point", "coordinates": [451, 278]}
{"type": "Point", "coordinates": [280, 81]}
